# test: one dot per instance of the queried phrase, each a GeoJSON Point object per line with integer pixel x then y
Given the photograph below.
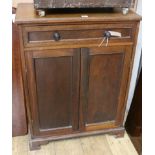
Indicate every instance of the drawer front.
{"type": "Point", "coordinates": [75, 34]}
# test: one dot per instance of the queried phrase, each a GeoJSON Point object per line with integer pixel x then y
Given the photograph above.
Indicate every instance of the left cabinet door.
{"type": "Point", "coordinates": [53, 86]}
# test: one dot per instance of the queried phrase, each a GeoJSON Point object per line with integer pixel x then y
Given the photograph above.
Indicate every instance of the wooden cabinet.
{"type": "Point", "coordinates": [74, 85]}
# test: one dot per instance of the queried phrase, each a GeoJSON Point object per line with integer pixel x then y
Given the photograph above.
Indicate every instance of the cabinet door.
{"type": "Point", "coordinates": [53, 85]}
{"type": "Point", "coordinates": [104, 81]}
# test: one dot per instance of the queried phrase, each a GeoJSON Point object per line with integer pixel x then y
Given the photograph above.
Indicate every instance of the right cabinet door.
{"type": "Point", "coordinates": [104, 85]}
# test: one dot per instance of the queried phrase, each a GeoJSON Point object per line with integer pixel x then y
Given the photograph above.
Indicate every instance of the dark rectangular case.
{"type": "Point", "coordinates": [47, 4]}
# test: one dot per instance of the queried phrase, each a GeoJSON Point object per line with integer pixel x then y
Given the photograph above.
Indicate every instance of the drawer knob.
{"type": "Point", "coordinates": [56, 36]}
{"type": "Point", "coordinates": [107, 34]}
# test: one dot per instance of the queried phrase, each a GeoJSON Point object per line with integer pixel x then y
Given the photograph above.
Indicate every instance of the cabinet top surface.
{"type": "Point", "coordinates": [26, 15]}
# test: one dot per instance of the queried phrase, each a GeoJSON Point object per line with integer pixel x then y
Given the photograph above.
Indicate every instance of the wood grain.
{"type": "Point", "coordinates": [42, 36]}
{"type": "Point", "coordinates": [96, 99]}
{"type": "Point", "coordinates": [105, 73]}
{"type": "Point", "coordinates": [95, 145]}
{"type": "Point", "coordinates": [88, 84]}
{"type": "Point", "coordinates": [19, 122]}
{"type": "Point", "coordinates": [53, 88]}
{"type": "Point", "coordinates": [29, 16]}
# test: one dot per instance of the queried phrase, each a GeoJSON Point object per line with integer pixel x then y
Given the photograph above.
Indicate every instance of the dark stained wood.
{"type": "Point", "coordinates": [104, 77]}
{"type": "Point", "coordinates": [104, 86]}
{"type": "Point", "coordinates": [29, 16]}
{"type": "Point", "coordinates": [19, 123]}
{"type": "Point", "coordinates": [87, 35]}
{"type": "Point", "coordinates": [83, 87]}
{"type": "Point", "coordinates": [137, 142]}
{"type": "Point", "coordinates": [47, 35]}
{"type": "Point", "coordinates": [43, 35]}
{"type": "Point", "coordinates": [134, 120]}
{"type": "Point", "coordinates": [35, 144]}
{"type": "Point", "coordinates": [53, 79]}
{"type": "Point", "coordinates": [72, 86]}
{"type": "Point", "coordinates": [81, 3]}
{"type": "Point", "coordinates": [53, 85]}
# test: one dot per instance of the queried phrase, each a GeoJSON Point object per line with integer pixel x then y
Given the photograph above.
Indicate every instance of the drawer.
{"type": "Point", "coordinates": [75, 34]}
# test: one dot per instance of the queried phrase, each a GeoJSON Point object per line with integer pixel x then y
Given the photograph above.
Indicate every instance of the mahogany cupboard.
{"type": "Point", "coordinates": [76, 72]}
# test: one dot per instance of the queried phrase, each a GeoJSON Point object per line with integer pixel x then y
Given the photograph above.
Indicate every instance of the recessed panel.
{"type": "Point", "coordinates": [54, 91]}
{"type": "Point", "coordinates": [105, 74]}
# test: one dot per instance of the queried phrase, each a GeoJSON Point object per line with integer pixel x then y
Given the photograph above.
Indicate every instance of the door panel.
{"type": "Point", "coordinates": [105, 70]}
{"type": "Point", "coordinates": [53, 78]}
{"type": "Point", "coordinates": [54, 103]}
{"type": "Point", "coordinates": [104, 84]}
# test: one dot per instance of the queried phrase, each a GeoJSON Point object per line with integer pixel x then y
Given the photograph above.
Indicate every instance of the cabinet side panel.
{"type": "Point", "coordinates": [104, 87]}
{"type": "Point", "coordinates": [54, 83]}
{"type": "Point", "coordinates": [19, 121]}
